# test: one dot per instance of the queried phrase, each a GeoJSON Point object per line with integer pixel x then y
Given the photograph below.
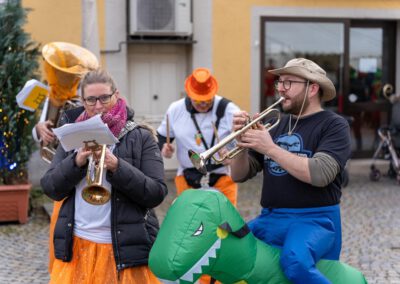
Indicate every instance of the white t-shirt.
{"type": "Point", "coordinates": [184, 131]}
{"type": "Point", "coordinates": [93, 222]}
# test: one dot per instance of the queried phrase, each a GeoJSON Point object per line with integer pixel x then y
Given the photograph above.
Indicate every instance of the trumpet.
{"type": "Point", "coordinates": [199, 160]}
{"type": "Point", "coordinates": [95, 193]}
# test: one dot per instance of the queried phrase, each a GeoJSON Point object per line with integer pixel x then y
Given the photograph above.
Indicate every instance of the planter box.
{"type": "Point", "coordinates": [14, 201]}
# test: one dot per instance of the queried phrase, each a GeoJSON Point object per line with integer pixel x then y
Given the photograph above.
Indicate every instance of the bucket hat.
{"type": "Point", "coordinates": [201, 85]}
{"type": "Point", "coordinates": [311, 71]}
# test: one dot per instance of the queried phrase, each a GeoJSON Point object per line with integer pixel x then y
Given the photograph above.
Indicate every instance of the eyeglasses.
{"type": "Point", "coordinates": [208, 102]}
{"type": "Point", "coordinates": [104, 99]}
{"type": "Point", "coordinates": [287, 84]}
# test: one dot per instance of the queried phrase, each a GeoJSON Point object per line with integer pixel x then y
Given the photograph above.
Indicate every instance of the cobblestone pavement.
{"type": "Point", "coordinates": [370, 216]}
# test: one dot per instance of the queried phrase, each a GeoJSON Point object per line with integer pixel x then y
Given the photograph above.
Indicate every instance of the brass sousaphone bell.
{"type": "Point", "coordinates": [64, 65]}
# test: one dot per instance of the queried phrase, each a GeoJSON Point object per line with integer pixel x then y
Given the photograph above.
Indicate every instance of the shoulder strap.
{"type": "Point", "coordinates": [129, 126]}
{"type": "Point", "coordinates": [220, 113]}
{"type": "Point", "coordinates": [188, 105]}
{"type": "Point", "coordinates": [190, 109]}
{"type": "Point", "coordinates": [221, 110]}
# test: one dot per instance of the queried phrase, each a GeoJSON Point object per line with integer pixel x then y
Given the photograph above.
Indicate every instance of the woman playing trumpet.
{"type": "Point", "coordinates": [107, 243]}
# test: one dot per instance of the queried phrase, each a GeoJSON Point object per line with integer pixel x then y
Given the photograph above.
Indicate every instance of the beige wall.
{"type": "Point", "coordinates": [59, 20]}
{"type": "Point", "coordinates": [54, 20]}
{"type": "Point", "coordinates": [231, 28]}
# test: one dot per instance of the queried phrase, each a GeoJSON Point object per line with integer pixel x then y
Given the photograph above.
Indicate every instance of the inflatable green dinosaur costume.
{"type": "Point", "coordinates": [204, 234]}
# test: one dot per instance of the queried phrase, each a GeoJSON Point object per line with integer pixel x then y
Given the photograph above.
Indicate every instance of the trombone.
{"type": "Point", "coordinates": [199, 160]}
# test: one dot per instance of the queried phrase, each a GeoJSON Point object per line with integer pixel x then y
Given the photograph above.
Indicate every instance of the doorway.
{"type": "Point", "coordinates": [371, 57]}
{"type": "Point", "coordinates": [358, 56]}
{"type": "Point", "coordinates": [156, 77]}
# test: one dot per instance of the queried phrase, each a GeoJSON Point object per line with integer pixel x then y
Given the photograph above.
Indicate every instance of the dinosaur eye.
{"type": "Point", "coordinates": [199, 230]}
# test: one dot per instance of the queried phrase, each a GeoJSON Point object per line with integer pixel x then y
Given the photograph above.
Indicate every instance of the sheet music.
{"type": "Point", "coordinates": [73, 135]}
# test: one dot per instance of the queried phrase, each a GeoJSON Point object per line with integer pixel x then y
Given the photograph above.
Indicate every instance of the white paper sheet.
{"type": "Point", "coordinates": [73, 135]}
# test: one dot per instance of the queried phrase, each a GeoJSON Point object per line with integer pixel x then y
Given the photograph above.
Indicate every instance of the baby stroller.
{"type": "Point", "coordinates": [388, 147]}
{"type": "Point", "coordinates": [386, 150]}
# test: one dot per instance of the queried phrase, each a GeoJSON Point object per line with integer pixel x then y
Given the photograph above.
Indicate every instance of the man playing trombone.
{"type": "Point", "coordinates": [302, 160]}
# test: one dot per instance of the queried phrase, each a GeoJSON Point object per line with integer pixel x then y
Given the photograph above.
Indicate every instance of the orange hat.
{"type": "Point", "coordinates": [201, 85]}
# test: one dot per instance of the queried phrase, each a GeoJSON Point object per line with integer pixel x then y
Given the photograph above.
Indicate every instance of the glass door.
{"type": "Point", "coordinates": [358, 56]}
{"type": "Point", "coordinates": [319, 40]}
{"type": "Point", "coordinates": [370, 67]}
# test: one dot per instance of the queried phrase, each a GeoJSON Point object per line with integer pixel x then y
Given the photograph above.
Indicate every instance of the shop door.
{"type": "Point", "coordinates": [370, 66]}
{"type": "Point", "coordinates": [285, 40]}
{"type": "Point", "coordinates": [156, 79]}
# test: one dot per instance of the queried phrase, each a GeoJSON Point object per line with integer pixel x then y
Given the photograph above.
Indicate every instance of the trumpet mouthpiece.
{"type": "Point", "coordinates": [197, 161]}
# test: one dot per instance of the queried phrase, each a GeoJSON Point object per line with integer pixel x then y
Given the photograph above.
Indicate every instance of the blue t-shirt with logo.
{"type": "Point", "coordinates": [325, 132]}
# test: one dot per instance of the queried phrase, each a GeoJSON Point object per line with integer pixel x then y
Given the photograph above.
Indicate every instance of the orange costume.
{"type": "Point", "coordinates": [196, 123]}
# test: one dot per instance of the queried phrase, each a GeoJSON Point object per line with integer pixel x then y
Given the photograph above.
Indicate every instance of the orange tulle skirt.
{"type": "Point", "coordinates": [94, 263]}
{"type": "Point", "coordinates": [53, 220]}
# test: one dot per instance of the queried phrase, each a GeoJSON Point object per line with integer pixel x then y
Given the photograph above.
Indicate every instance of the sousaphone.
{"type": "Point", "coordinates": [64, 65]}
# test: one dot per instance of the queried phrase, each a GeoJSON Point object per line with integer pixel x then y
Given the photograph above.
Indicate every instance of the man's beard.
{"type": "Point", "coordinates": [296, 104]}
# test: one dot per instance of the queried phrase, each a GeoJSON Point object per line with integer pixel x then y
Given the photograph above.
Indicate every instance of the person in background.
{"type": "Point", "coordinates": [64, 64]}
{"type": "Point", "coordinates": [302, 160]}
{"type": "Point", "coordinates": [196, 122]}
{"type": "Point", "coordinates": [42, 133]}
{"type": "Point", "coordinates": [107, 242]}
{"type": "Point", "coordinates": [269, 81]}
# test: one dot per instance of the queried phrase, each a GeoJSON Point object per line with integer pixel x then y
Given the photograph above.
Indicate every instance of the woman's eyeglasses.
{"type": "Point", "coordinates": [287, 84]}
{"type": "Point", "coordinates": [104, 99]}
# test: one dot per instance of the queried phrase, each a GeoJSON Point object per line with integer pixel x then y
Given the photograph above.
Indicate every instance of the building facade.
{"type": "Point", "coordinates": [150, 46]}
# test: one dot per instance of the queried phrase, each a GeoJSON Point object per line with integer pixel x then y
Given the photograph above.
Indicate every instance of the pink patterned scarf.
{"type": "Point", "coordinates": [115, 118]}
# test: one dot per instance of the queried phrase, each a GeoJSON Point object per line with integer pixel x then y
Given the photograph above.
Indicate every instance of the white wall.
{"type": "Point", "coordinates": [202, 34]}
{"type": "Point", "coordinates": [115, 50]}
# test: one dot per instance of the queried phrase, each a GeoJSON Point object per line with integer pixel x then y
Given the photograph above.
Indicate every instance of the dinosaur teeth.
{"type": "Point", "coordinates": [203, 261]}
{"type": "Point", "coordinates": [168, 281]}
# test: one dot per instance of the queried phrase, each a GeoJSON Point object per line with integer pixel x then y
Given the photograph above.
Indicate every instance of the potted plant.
{"type": "Point", "coordinates": [18, 64]}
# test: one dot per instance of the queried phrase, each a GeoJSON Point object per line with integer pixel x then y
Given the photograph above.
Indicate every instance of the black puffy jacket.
{"type": "Point", "coordinates": [137, 187]}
